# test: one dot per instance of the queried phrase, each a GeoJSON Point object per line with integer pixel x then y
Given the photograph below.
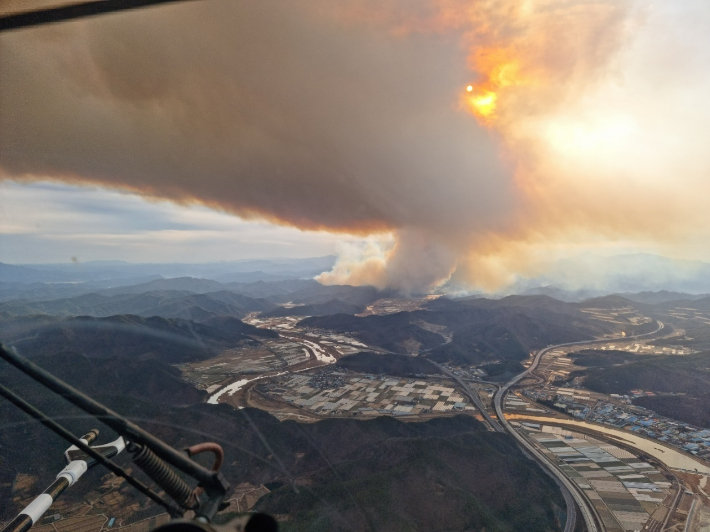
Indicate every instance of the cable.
{"type": "Point", "coordinates": [173, 510]}
{"type": "Point", "coordinates": [212, 482]}
{"type": "Point", "coordinates": [73, 11]}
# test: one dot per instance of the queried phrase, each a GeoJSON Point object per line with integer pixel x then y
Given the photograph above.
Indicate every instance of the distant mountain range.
{"type": "Point", "coordinates": [571, 280]}
{"type": "Point", "coordinates": [167, 303]}
{"type": "Point", "coordinates": [41, 282]}
{"type": "Point", "coordinates": [575, 296]}
{"type": "Point", "coordinates": [193, 299]}
{"type": "Point", "coordinates": [578, 278]}
{"type": "Point", "coordinates": [232, 271]}
{"type": "Point", "coordinates": [470, 329]}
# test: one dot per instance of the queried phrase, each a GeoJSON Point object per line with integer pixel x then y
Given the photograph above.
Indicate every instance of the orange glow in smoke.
{"type": "Point", "coordinates": [500, 70]}
{"type": "Point", "coordinates": [482, 104]}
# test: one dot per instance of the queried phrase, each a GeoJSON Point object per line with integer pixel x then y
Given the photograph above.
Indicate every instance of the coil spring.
{"type": "Point", "coordinates": [162, 475]}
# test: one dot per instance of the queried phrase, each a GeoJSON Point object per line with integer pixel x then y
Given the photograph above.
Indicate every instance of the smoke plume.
{"type": "Point", "coordinates": [460, 128]}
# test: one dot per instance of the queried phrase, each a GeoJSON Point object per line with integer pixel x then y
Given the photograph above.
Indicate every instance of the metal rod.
{"type": "Point", "coordinates": [90, 436]}
{"type": "Point", "coordinates": [213, 482]}
{"type": "Point", "coordinates": [34, 511]}
{"type": "Point", "coordinates": [124, 427]}
{"type": "Point", "coordinates": [73, 11]}
{"type": "Point", "coordinates": [64, 433]}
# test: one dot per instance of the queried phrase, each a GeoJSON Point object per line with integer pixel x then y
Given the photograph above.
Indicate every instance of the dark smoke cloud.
{"type": "Point", "coordinates": [346, 116]}
{"type": "Point", "coordinates": [265, 109]}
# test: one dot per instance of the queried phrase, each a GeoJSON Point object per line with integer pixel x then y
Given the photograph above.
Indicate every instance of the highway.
{"type": "Point", "coordinates": [473, 395]}
{"type": "Point", "coordinates": [570, 490]}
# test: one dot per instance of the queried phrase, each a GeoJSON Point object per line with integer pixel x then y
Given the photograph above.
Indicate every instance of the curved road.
{"type": "Point", "coordinates": [570, 490]}
{"type": "Point", "coordinates": [473, 395]}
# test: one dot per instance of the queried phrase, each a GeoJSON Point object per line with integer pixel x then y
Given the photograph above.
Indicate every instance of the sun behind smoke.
{"type": "Point", "coordinates": [483, 105]}
{"type": "Point", "coordinates": [500, 69]}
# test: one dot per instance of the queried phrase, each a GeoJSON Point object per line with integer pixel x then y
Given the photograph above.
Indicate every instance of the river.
{"type": "Point", "coordinates": [663, 453]}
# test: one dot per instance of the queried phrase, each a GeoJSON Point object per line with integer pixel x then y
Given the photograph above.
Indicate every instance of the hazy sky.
{"type": "Point", "coordinates": [478, 138]}
{"type": "Point", "coordinates": [50, 222]}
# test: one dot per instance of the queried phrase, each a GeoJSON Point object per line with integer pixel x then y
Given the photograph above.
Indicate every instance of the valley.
{"type": "Point", "coordinates": [355, 266]}
{"type": "Point", "coordinates": [590, 407]}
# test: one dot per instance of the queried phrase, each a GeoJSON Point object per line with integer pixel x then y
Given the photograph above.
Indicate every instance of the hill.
{"type": "Point", "coordinates": [467, 481]}
{"type": "Point", "coordinates": [232, 326]}
{"type": "Point", "coordinates": [146, 380]}
{"type": "Point", "coordinates": [701, 303]}
{"type": "Point", "coordinates": [388, 364]}
{"type": "Point", "coordinates": [71, 298]}
{"type": "Point", "coordinates": [169, 340]}
{"type": "Point", "coordinates": [471, 331]}
{"type": "Point", "coordinates": [664, 374]}
{"type": "Point", "coordinates": [165, 303]}
{"type": "Point", "coordinates": [334, 306]}
{"type": "Point", "coordinates": [694, 410]}
{"type": "Point", "coordinates": [610, 302]}
{"type": "Point", "coordinates": [697, 337]}
{"type": "Point", "coordinates": [275, 291]}
{"type": "Point", "coordinates": [139, 389]}
{"type": "Point", "coordinates": [508, 328]}
{"type": "Point", "coordinates": [25, 274]}
{"type": "Point", "coordinates": [506, 369]}
{"type": "Point", "coordinates": [510, 334]}
{"type": "Point", "coordinates": [45, 291]}
{"type": "Point", "coordinates": [515, 301]}
{"type": "Point", "coordinates": [315, 293]}
{"type": "Point", "coordinates": [222, 271]}
{"type": "Point", "coordinates": [599, 358]}
{"type": "Point", "coordinates": [187, 284]}
{"type": "Point", "coordinates": [447, 474]}
{"type": "Point", "coordinates": [395, 332]}
{"type": "Point", "coordinates": [568, 296]}
{"type": "Point", "coordinates": [680, 382]}
{"type": "Point", "coordinates": [662, 296]}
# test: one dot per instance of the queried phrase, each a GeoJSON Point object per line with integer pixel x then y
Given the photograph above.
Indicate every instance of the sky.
{"type": "Point", "coordinates": [420, 140]}
{"type": "Point", "coordinates": [53, 223]}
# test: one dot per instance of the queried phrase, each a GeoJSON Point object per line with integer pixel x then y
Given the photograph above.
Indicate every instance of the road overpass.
{"type": "Point", "coordinates": [473, 395]}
